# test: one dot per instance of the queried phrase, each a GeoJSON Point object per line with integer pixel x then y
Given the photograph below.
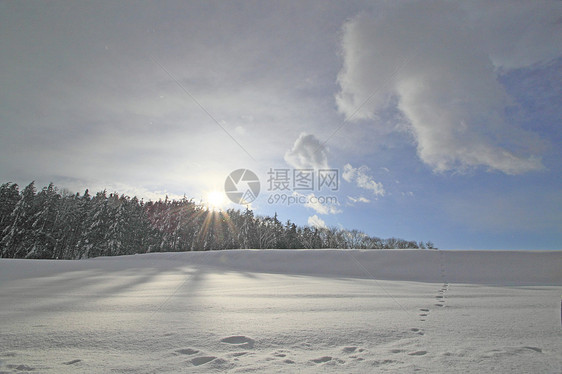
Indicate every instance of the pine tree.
{"type": "Point", "coordinates": [94, 228]}
{"type": "Point", "coordinates": [248, 237]}
{"type": "Point", "coordinates": [115, 236]}
{"type": "Point", "coordinates": [44, 223]}
{"type": "Point", "coordinates": [291, 237]}
{"type": "Point", "coordinates": [9, 197]}
{"type": "Point", "coordinates": [17, 235]}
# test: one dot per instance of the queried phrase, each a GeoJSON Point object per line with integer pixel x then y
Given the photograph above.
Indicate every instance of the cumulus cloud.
{"type": "Point", "coordinates": [439, 61]}
{"type": "Point", "coordinates": [307, 153]}
{"type": "Point", "coordinates": [315, 221]}
{"type": "Point", "coordinates": [362, 179]}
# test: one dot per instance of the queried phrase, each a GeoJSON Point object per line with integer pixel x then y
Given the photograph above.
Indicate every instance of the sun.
{"type": "Point", "coordinates": [215, 200]}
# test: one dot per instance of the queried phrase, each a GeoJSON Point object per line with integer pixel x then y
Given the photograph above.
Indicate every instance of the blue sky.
{"type": "Point", "coordinates": [441, 117]}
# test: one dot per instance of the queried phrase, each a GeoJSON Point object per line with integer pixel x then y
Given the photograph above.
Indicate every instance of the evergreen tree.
{"type": "Point", "coordinates": [94, 228]}
{"type": "Point", "coordinates": [44, 223]}
{"type": "Point", "coordinates": [9, 197]}
{"type": "Point", "coordinates": [18, 234]}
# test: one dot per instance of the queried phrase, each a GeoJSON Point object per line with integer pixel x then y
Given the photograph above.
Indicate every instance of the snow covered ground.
{"type": "Point", "coordinates": [284, 311]}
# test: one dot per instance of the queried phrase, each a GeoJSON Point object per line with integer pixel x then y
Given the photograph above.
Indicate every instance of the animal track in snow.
{"type": "Point", "coordinates": [20, 367]}
{"type": "Point", "coordinates": [72, 362]}
{"type": "Point", "coordinates": [417, 353]}
{"type": "Point", "coordinates": [187, 351]}
{"type": "Point", "coordinates": [239, 341]}
{"type": "Point", "coordinates": [417, 331]}
{"type": "Point", "coordinates": [198, 361]}
{"type": "Point", "coordinates": [321, 360]}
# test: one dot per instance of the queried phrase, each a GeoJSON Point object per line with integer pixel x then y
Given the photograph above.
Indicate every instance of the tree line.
{"type": "Point", "coordinates": [51, 224]}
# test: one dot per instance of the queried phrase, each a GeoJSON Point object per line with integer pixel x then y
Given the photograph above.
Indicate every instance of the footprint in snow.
{"type": "Point", "coordinates": [198, 361]}
{"type": "Point", "coordinates": [321, 360]}
{"type": "Point", "coordinates": [536, 349]}
{"type": "Point", "coordinates": [417, 353]}
{"type": "Point", "coordinates": [382, 362]}
{"type": "Point", "coordinates": [187, 351]}
{"type": "Point", "coordinates": [20, 367]}
{"type": "Point", "coordinates": [72, 362]}
{"type": "Point", "coordinates": [239, 341]}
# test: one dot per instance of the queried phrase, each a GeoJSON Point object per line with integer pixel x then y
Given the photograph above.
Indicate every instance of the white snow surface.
{"type": "Point", "coordinates": [284, 311]}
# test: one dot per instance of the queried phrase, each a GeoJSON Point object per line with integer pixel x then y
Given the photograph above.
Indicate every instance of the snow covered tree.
{"type": "Point", "coordinates": [248, 236]}
{"type": "Point", "coordinates": [44, 222]}
{"type": "Point", "coordinates": [9, 197]}
{"type": "Point", "coordinates": [92, 240]}
{"type": "Point", "coordinates": [18, 234]}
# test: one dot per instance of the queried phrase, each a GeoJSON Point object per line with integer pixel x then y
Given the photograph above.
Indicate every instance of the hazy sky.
{"type": "Point", "coordinates": [442, 118]}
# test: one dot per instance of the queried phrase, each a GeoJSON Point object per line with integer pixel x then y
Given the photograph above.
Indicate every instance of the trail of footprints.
{"type": "Point", "coordinates": [238, 341]}
{"type": "Point", "coordinates": [353, 353]}
{"type": "Point", "coordinates": [439, 299]}
{"type": "Point", "coordinates": [243, 346]}
{"type": "Point", "coordinates": [440, 296]}
{"type": "Point", "coordinates": [439, 303]}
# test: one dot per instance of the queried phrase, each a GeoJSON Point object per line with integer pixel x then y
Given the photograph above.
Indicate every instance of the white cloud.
{"type": "Point", "coordinates": [320, 204]}
{"type": "Point", "coordinates": [362, 179]}
{"type": "Point", "coordinates": [440, 61]}
{"type": "Point", "coordinates": [307, 152]}
{"type": "Point", "coordinates": [315, 221]}
{"type": "Point", "coordinates": [359, 199]}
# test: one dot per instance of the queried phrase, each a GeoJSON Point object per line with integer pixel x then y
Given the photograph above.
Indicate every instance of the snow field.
{"type": "Point", "coordinates": [284, 311]}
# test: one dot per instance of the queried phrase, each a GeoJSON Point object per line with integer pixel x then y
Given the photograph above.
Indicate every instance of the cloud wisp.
{"type": "Point", "coordinates": [362, 179]}
{"type": "Point", "coordinates": [359, 199]}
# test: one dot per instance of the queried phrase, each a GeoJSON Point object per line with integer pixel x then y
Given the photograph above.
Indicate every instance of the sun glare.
{"type": "Point", "coordinates": [215, 200]}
